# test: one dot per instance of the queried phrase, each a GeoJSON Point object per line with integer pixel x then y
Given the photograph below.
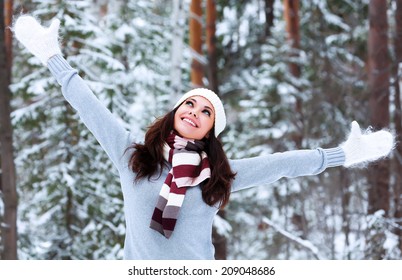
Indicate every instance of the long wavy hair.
{"type": "Point", "coordinates": [147, 160]}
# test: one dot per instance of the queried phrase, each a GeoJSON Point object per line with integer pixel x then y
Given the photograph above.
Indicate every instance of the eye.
{"type": "Point", "coordinates": [207, 112]}
{"type": "Point", "coordinates": [189, 103]}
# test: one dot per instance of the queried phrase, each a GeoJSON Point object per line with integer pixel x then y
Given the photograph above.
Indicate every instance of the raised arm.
{"type": "Point", "coordinates": [270, 168]}
{"type": "Point", "coordinates": [357, 149]}
{"type": "Point", "coordinates": [43, 43]}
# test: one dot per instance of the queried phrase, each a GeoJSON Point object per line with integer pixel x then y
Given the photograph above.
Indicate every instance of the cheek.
{"type": "Point", "coordinates": [209, 123]}
{"type": "Point", "coordinates": [212, 120]}
{"type": "Point", "coordinates": [180, 111]}
{"type": "Point", "coordinates": [175, 120]}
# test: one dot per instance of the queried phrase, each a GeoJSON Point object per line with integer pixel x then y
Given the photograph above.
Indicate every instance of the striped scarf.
{"type": "Point", "coordinates": [190, 167]}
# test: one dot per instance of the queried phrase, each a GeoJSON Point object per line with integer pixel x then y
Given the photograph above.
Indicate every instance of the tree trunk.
{"type": "Point", "coordinates": [177, 49]}
{"type": "Point", "coordinates": [291, 13]}
{"type": "Point", "coordinates": [99, 8]}
{"type": "Point", "coordinates": [346, 197]}
{"type": "Point", "coordinates": [378, 83]}
{"type": "Point", "coordinates": [269, 16]}
{"type": "Point", "coordinates": [291, 10]}
{"type": "Point", "coordinates": [211, 46]}
{"type": "Point", "coordinates": [398, 122]}
{"type": "Point", "coordinates": [197, 67]}
{"type": "Point", "coordinates": [219, 241]}
{"type": "Point", "coordinates": [9, 224]}
{"type": "Point", "coordinates": [103, 8]}
{"type": "Point", "coordinates": [8, 18]}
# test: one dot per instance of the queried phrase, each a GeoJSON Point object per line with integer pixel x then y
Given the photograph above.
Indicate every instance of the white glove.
{"type": "Point", "coordinates": [363, 148]}
{"type": "Point", "coordinates": [41, 42]}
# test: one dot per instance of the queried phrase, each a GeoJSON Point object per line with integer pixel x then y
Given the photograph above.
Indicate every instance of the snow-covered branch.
{"type": "Point", "coordinates": [305, 243]}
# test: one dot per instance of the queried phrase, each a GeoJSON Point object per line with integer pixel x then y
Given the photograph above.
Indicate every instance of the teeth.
{"type": "Point", "coordinates": [189, 121]}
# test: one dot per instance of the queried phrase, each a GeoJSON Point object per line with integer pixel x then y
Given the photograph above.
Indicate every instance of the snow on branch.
{"type": "Point", "coordinates": [305, 243]}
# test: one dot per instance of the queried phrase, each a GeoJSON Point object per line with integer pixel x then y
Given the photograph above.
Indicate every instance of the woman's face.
{"type": "Point", "coordinates": [194, 118]}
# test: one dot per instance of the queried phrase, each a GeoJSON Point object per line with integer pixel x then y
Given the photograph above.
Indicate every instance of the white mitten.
{"type": "Point", "coordinates": [370, 146]}
{"type": "Point", "coordinates": [40, 41]}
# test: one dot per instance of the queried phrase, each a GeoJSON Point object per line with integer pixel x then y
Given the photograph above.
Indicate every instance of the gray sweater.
{"type": "Point", "coordinates": [191, 238]}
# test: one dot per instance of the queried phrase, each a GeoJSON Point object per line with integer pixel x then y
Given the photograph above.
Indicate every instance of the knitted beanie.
{"type": "Point", "coordinates": [220, 117]}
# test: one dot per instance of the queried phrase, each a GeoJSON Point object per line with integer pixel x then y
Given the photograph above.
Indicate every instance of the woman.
{"type": "Point", "coordinates": [177, 179]}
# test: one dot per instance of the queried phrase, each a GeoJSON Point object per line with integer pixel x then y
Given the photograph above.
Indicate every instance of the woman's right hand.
{"type": "Point", "coordinates": [42, 42]}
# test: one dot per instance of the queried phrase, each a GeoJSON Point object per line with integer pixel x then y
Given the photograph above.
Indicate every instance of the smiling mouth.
{"type": "Point", "coordinates": [189, 121]}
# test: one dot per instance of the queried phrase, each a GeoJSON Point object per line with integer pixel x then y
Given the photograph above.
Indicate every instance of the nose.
{"type": "Point", "coordinates": [193, 113]}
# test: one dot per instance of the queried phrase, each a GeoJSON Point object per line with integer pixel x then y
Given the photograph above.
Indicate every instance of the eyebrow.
{"type": "Point", "coordinates": [207, 107]}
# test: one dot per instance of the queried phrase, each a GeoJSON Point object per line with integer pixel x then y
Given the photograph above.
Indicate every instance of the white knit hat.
{"type": "Point", "coordinates": [220, 117]}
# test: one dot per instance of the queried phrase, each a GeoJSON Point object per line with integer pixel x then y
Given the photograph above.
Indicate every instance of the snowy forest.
{"type": "Point", "coordinates": [292, 75]}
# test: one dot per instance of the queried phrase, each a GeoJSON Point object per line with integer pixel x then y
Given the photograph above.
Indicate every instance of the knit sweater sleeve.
{"type": "Point", "coordinates": [270, 168]}
{"type": "Point", "coordinates": [106, 128]}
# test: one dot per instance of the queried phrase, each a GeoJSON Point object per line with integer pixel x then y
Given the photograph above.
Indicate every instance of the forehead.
{"type": "Point", "coordinates": [202, 101]}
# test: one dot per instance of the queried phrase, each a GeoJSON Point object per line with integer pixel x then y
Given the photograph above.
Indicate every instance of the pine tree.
{"type": "Point", "coordinates": [72, 206]}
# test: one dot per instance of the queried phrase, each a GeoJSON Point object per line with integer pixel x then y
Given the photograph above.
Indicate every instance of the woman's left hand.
{"type": "Point", "coordinates": [366, 147]}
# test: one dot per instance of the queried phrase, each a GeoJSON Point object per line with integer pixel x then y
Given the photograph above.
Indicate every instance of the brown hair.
{"type": "Point", "coordinates": [148, 157]}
